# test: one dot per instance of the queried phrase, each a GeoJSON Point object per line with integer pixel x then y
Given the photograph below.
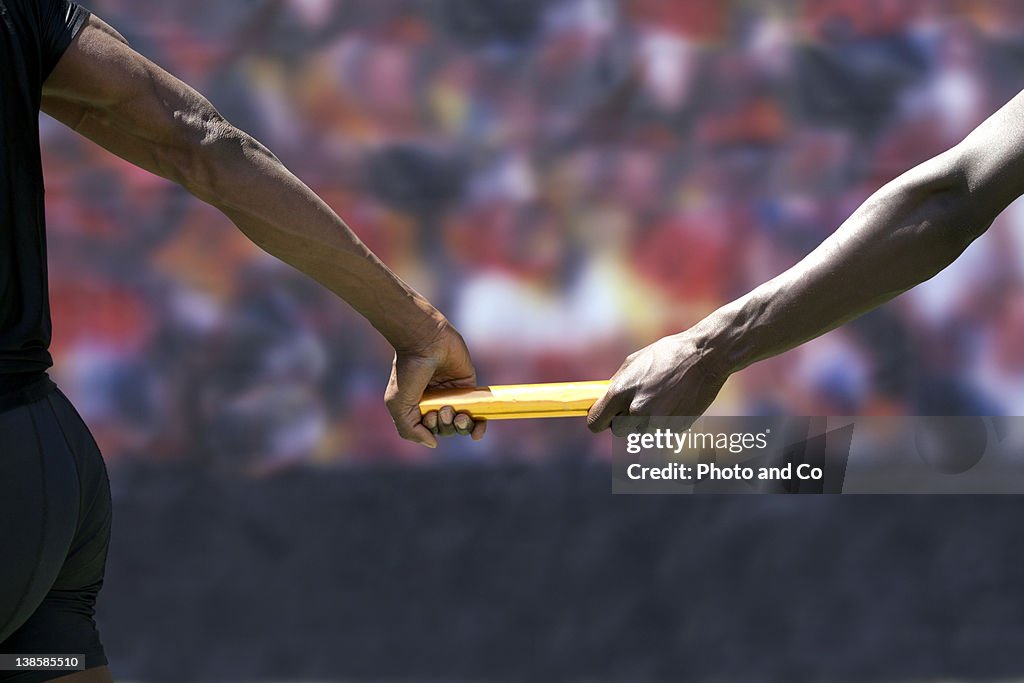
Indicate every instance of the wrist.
{"type": "Point", "coordinates": [417, 333]}
{"type": "Point", "coordinates": [721, 344]}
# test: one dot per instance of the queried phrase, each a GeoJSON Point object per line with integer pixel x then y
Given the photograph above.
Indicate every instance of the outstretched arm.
{"type": "Point", "coordinates": [119, 99]}
{"type": "Point", "coordinates": [904, 234]}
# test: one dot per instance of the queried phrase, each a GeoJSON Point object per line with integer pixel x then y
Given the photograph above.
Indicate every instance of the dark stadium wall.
{"type": "Point", "coordinates": [527, 572]}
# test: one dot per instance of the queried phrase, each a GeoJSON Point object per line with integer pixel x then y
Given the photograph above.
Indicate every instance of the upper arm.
{"type": "Point", "coordinates": [108, 92]}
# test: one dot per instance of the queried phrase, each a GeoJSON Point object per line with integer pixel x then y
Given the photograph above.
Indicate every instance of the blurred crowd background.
{"type": "Point", "coordinates": [568, 180]}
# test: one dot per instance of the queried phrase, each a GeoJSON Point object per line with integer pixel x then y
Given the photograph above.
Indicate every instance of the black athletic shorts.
{"type": "Point", "coordinates": [54, 530]}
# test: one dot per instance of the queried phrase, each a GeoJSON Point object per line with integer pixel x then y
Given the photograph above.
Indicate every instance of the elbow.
{"type": "Point", "coordinates": [977, 194]}
{"type": "Point", "coordinates": [950, 223]}
{"type": "Point", "coordinates": [208, 156]}
{"type": "Point", "coordinates": [963, 217]}
{"type": "Point", "coordinates": [951, 211]}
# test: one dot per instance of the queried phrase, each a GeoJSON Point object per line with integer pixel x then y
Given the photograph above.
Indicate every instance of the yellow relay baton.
{"type": "Point", "coordinates": [518, 401]}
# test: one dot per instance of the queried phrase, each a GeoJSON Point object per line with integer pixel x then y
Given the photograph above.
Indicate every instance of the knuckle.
{"type": "Point", "coordinates": [640, 406]}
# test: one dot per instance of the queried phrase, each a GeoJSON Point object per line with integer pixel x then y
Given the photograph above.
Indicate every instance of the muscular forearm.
{"type": "Point", "coordinates": [230, 170]}
{"type": "Point", "coordinates": [283, 216]}
{"type": "Point", "coordinates": [903, 235]}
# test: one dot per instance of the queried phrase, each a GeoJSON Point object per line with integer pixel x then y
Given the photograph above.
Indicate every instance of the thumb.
{"type": "Point", "coordinates": [409, 379]}
{"type": "Point", "coordinates": [606, 408]}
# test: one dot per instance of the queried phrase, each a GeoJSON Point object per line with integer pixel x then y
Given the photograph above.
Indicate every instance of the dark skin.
{"type": "Point", "coordinates": [120, 100]}
{"type": "Point", "coordinates": [904, 234]}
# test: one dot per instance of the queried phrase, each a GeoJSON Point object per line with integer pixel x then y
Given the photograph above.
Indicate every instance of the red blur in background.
{"type": "Point", "coordinates": [567, 180]}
